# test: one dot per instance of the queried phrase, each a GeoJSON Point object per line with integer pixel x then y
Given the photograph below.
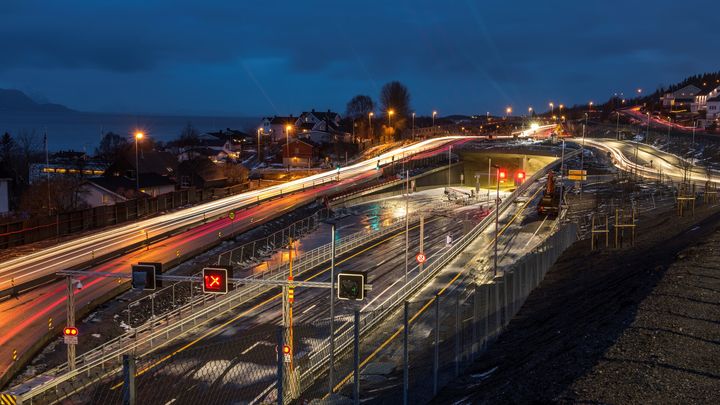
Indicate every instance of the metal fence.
{"type": "Point", "coordinates": [250, 252]}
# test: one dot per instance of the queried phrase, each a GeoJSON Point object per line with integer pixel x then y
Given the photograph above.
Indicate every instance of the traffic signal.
{"type": "Point", "coordinates": [144, 275]}
{"type": "Point", "coordinates": [519, 177]}
{"type": "Point", "coordinates": [502, 175]}
{"type": "Point", "coordinates": [351, 286]}
{"type": "Point", "coordinates": [70, 331]}
{"type": "Point", "coordinates": [215, 279]}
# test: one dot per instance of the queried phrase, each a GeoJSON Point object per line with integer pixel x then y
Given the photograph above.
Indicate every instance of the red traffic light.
{"type": "Point", "coordinates": [215, 280]}
{"type": "Point", "coordinates": [286, 349]}
{"type": "Point", "coordinates": [520, 175]}
{"type": "Point", "coordinates": [70, 331]}
{"type": "Point", "coordinates": [502, 175]}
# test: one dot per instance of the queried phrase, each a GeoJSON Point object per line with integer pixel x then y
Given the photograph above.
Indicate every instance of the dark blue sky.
{"type": "Point", "coordinates": [252, 58]}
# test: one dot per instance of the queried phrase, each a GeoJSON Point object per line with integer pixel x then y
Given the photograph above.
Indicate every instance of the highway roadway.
{"type": "Point", "coordinates": [235, 358]}
{"type": "Point", "coordinates": [79, 251]}
{"type": "Point", "coordinates": [650, 162]}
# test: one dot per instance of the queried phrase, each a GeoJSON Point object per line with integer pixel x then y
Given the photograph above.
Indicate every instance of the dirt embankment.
{"type": "Point", "coordinates": [638, 325]}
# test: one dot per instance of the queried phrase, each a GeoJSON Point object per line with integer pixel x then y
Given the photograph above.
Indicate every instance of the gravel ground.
{"type": "Point", "coordinates": [638, 325]}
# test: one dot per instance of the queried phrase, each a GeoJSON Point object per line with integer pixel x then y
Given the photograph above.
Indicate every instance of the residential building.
{"type": "Point", "coordinates": [66, 164]}
{"type": "Point", "coordinates": [299, 153]}
{"type": "Point", "coordinates": [201, 173]}
{"type": "Point", "coordinates": [702, 98]}
{"type": "Point", "coordinates": [683, 97]}
{"type": "Point", "coordinates": [108, 190]}
{"type": "Point", "coordinates": [713, 109]}
{"type": "Point", "coordinates": [276, 127]}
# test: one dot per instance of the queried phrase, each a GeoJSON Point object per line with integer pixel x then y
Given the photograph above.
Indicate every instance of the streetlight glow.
{"type": "Point", "coordinates": [139, 135]}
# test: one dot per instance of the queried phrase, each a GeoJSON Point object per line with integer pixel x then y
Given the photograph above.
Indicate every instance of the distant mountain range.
{"type": "Point", "coordinates": [17, 101]}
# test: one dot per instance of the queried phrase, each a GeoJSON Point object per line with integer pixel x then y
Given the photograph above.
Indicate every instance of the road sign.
{"type": "Point", "coordinates": [70, 335]}
{"type": "Point", "coordinates": [577, 172]}
{"type": "Point", "coordinates": [421, 258]}
{"type": "Point", "coordinates": [351, 286]}
{"type": "Point", "coordinates": [144, 276]}
{"type": "Point", "coordinates": [215, 279]}
{"type": "Point", "coordinates": [576, 177]}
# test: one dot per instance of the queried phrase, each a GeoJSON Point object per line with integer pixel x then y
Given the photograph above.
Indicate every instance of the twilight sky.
{"type": "Point", "coordinates": [253, 58]}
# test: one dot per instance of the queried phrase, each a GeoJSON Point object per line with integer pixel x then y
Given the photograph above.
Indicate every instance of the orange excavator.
{"type": "Point", "coordinates": [550, 201]}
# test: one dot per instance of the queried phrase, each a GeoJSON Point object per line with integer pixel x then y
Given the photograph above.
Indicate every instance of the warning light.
{"type": "Point", "coordinates": [286, 349]}
{"type": "Point", "coordinates": [291, 294]}
{"type": "Point", "coordinates": [519, 177]}
{"type": "Point", "coordinates": [502, 175]}
{"type": "Point", "coordinates": [215, 280]}
{"type": "Point", "coordinates": [70, 331]}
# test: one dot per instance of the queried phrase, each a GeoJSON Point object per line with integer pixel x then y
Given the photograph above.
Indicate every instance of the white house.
{"type": "Point", "coordinates": [713, 108]}
{"type": "Point", "coordinates": [277, 127]}
{"type": "Point", "coordinates": [681, 97]}
{"type": "Point", "coordinates": [702, 98]}
{"type": "Point", "coordinates": [108, 190]}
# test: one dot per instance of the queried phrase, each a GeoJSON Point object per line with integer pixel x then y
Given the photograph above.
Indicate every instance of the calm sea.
{"type": "Point", "coordinates": [84, 130]}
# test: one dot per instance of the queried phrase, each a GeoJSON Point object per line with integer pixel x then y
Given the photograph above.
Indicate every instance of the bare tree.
{"type": "Point", "coordinates": [29, 147]}
{"type": "Point", "coordinates": [396, 97]}
{"type": "Point", "coordinates": [359, 107]}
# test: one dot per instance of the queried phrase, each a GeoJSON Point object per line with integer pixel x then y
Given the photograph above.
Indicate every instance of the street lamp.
{"type": "Point", "coordinates": [433, 118]}
{"type": "Point", "coordinates": [552, 108]}
{"type": "Point", "coordinates": [138, 136]}
{"type": "Point", "coordinates": [258, 145]}
{"type": "Point", "coordinates": [390, 114]}
{"type": "Point", "coordinates": [287, 143]}
{"type": "Point", "coordinates": [590, 104]}
{"type": "Point", "coordinates": [413, 126]}
{"type": "Point", "coordinates": [370, 115]}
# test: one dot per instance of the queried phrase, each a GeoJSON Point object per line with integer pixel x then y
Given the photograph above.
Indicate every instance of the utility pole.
{"type": "Point", "coordinates": [70, 321]}
{"type": "Point", "coordinates": [497, 219]}
{"type": "Point", "coordinates": [562, 177]}
{"type": "Point", "coordinates": [489, 183]}
{"type": "Point", "coordinates": [647, 130]}
{"type": "Point", "coordinates": [331, 376]}
{"type": "Point", "coordinates": [407, 223]}
{"type": "Point", "coordinates": [449, 163]}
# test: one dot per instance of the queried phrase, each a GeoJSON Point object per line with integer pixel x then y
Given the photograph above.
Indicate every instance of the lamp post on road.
{"type": "Point", "coordinates": [647, 129]}
{"type": "Point", "coordinates": [617, 125]}
{"type": "Point", "coordinates": [407, 223]}
{"type": "Point", "coordinates": [287, 144]}
{"type": "Point", "coordinates": [138, 136]}
{"type": "Point", "coordinates": [433, 118]}
{"type": "Point", "coordinates": [413, 126]}
{"type": "Point", "coordinates": [497, 218]}
{"type": "Point", "coordinates": [390, 114]}
{"type": "Point", "coordinates": [259, 146]}
{"type": "Point", "coordinates": [552, 109]}
{"type": "Point", "coordinates": [370, 115]}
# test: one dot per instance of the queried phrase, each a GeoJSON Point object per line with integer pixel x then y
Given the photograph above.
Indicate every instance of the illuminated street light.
{"type": "Point", "coordinates": [552, 109]}
{"type": "Point", "coordinates": [508, 111]}
{"type": "Point", "coordinates": [287, 142]}
{"type": "Point", "coordinates": [138, 136]}
{"type": "Point", "coordinates": [370, 115]}
{"type": "Point", "coordinates": [390, 114]}
{"type": "Point", "coordinates": [433, 118]}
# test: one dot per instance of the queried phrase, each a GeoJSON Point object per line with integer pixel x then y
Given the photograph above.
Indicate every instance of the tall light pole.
{"type": "Point", "coordinates": [497, 218]}
{"type": "Point", "coordinates": [259, 146]}
{"type": "Point", "coordinates": [370, 115]}
{"type": "Point", "coordinates": [433, 118]}
{"type": "Point", "coordinates": [331, 375]}
{"type": "Point", "coordinates": [138, 136]}
{"type": "Point", "coordinates": [552, 109]}
{"type": "Point", "coordinates": [449, 163]}
{"type": "Point", "coordinates": [390, 114]}
{"type": "Point", "coordinates": [413, 126]}
{"type": "Point", "coordinates": [407, 223]}
{"type": "Point", "coordinates": [693, 136]}
{"type": "Point", "coordinates": [617, 125]}
{"type": "Point", "coordinates": [508, 111]}
{"type": "Point", "coordinates": [287, 144]}
{"type": "Point", "coordinates": [647, 129]}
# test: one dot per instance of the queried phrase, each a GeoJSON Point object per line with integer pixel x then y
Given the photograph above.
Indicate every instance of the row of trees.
{"type": "Point", "coordinates": [394, 104]}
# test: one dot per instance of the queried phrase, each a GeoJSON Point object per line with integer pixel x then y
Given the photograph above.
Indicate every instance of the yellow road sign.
{"type": "Point", "coordinates": [576, 177]}
{"type": "Point", "coordinates": [577, 172]}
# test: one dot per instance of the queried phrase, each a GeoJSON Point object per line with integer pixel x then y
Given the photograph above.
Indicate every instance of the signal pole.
{"type": "Point", "coordinates": [70, 321]}
{"type": "Point", "coordinates": [331, 375]}
{"type": "Point", "coordinates": [497, 218]}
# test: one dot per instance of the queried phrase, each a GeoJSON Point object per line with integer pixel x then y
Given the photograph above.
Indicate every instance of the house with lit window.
{"type": "Point", "coordinates": [65, 164]}
{"type": "Point", "coordinates": [712, 110]}
{"type": "Point", "coordinates": [299, 153]}
{"type": "Point", "coordinates": [276, 128]}
{"type": "Point", "coordinates": [681, 98]}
